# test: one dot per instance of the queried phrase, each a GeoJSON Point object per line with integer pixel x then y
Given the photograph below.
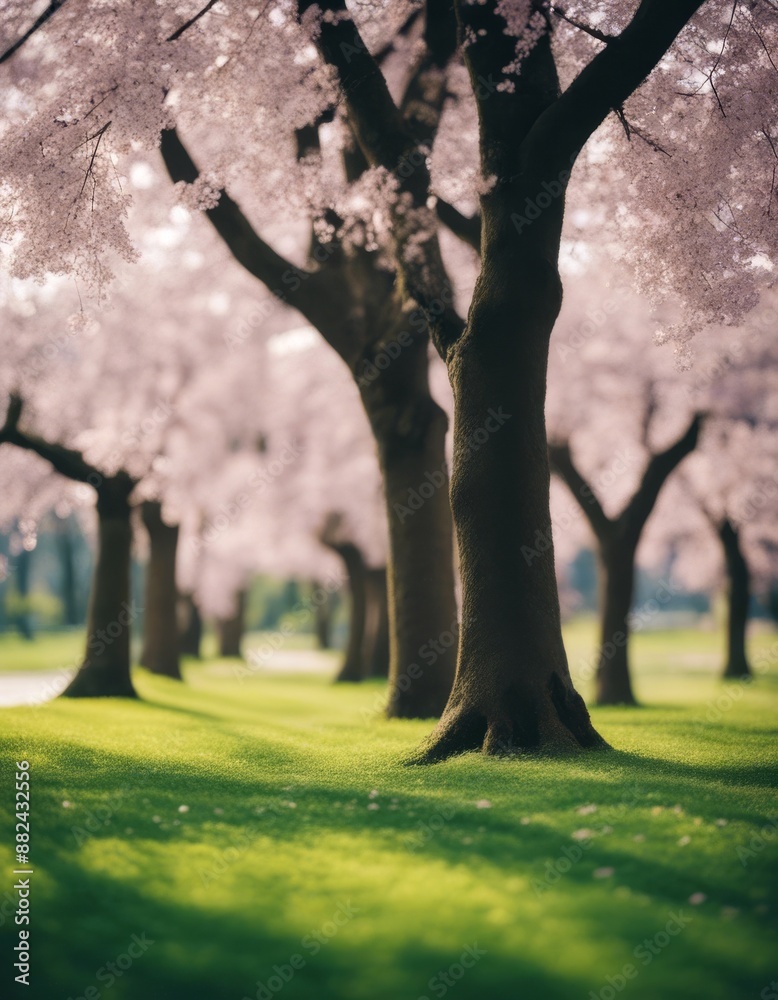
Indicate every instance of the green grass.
{"type": "Point", "coordinates": [277, 773]}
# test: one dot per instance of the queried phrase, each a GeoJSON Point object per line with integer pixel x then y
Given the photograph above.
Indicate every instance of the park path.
{"type": "Point", "coordinates": [31, 687]}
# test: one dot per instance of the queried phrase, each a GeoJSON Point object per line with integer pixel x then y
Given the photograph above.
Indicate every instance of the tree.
{"type": "Point", "coordinates": [231, 627]}
{"type": "Point", "coordinates": [367, 649]}
{"type": "Point", "coordinates": [617, 543]}
{"type": "Point", "coordinates": [512, 688]}
{"type": "Point", "coordinates": [115, 413]}
{"type": "Point", "coordinates": [347, 296]}
{"type": "Point", "coordinates": [738, 600]}
{"type": "Point", "coordinates": [190, 626]}
{"type": "Point", "coordinates": [161, 639]}
{"type": "Point", "coordinates": [65, 534]}
{"type": "Point", "coordinates": [105, 670]}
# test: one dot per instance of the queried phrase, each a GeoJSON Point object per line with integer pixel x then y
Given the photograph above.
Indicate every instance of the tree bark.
{"type": "Point", "coordinates": [160, 636]}
{"type": "Point", "coordinates": [617, 576]}
{"type": "Point", "coordinates": [513, 689]}
{"type": "Point", "coordinates": [230, 630]}
{"type": "Point", "coordinates": [738, 600]}
{"type": "Point", "coordinates": [354, 666]}
{"type": "Point", "coordinates": [351, 301]}
{"type": "Point", "coordinates": [323, 620]}
{"type": "Point", "coordinates": [190, 626]}
{"type": "Point", "coordinates": [65, 548]}
{"type": "Point", "coordinates": [22, 564]}
{"type": "Point", "coordinates": [377, 625]}
{"type": "Point", "coordinates": [105, 671]}
{"type": "Point", "coordinates": [410, 430]}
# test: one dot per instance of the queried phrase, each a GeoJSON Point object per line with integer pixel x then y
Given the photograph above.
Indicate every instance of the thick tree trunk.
{"type": "Point", "coordinates": [323, 620]}
{"type": "Point", "coordinates": [377, 625]}
{"type": "Point", "coordinates": [738, 599]}
{"type": "Point", "coordinates": [230, 630]}
{"type": "Point", "coordinates": [105, 671]}
{"type": "Point", "coordinates": [410, 430]}
{"type": "Point", "coordinates": [353, 667]}
{"type": "Point", "coordinates": [617, 575]}
{"type": "Point", "coordinates": [160, 636]}
{"type": "Point", "coordinates": [190, 626]}
{"type": "Point", "coordinates": [513, 689]}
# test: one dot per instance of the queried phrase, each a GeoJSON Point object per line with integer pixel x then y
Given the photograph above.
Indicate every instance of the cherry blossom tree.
{"type": "Point", "coordinates": [615, 454]}
{"type": "Point", "coordinates": [108, 401]}
{"type": "Point", "coordinates": [683, 163]}
{"type": "Point", "coordinates": [728, 490]}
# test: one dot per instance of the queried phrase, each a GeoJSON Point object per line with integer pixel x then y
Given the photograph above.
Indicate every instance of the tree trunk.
{"type": "Point", "coordinates": [105, 671]}
{"type": "Point", "coordinates": [513, 689]}
{"type": "Point", "coordinates": [323, 621]}
{"type": "Point", "coordinates": [190, 626]}
{"type": "Point", "coordinates": [353, 668]}
{"type": "Point", "coordinates": [410, 430]}
{"type": "Point", "coordinates": [617, 576]}
{"type": "Point", "coordinates": [160, 636]}
{"type": "Point", "coordinates": [65, 548]}
{"type": "Point", "coordinates": [22, 565]}
{"type": "Point", "coordinates": [738, 599]}
{"type": "Point", "coordinates": [377, 625]}
{"type": "Point", "coordinates": [230, 630]}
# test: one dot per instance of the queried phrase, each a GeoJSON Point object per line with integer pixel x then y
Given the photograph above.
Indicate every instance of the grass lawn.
{"type": "Point", "coordinates": [243, 826]}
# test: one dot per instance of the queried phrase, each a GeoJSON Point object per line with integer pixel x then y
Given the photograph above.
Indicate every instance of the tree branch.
{"type": "Point", "coordinates": [562, 464]}
{"type": "Point", "coordinates": [52, 9]}
{"type": "Point", "coordinates": [66, 461]}
{"type": "Point", "coordinates": [301, 289]}
{"type": "Point", "coordinates": [586, 28]}
{"type": "Point", "coordinates": [425, 94]}
{"type": "Point", "coordinates": [509, 103]}
{"type": "Point", "coordinates": [376, 120]}
{"type": "Point", "coordinates": [608, 80]}
{"type": "Point", "coordinates": [659, 468]}
{"type": "Point", "coordinates": [192, 20]}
